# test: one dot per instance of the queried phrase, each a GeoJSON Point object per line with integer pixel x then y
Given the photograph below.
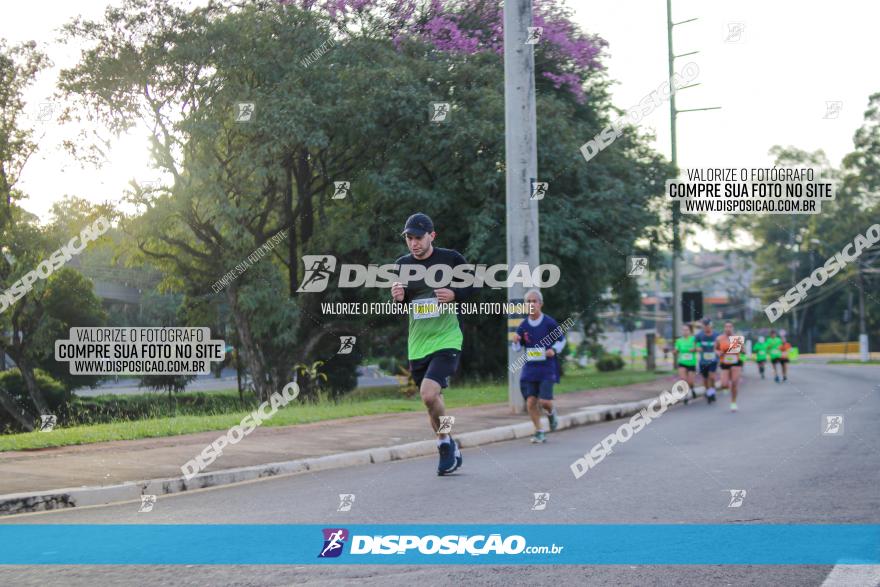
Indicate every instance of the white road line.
{"type": "Point", "coordinates": [853, 576]}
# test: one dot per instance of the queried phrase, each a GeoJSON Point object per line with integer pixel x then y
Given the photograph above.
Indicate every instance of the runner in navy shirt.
{"type": "Point", "coordinates": [542, 339]}
{"type": "Point", "coordinates": [705, 340]}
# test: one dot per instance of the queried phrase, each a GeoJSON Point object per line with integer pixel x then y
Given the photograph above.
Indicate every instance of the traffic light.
{"type": "Point", "coordinates": [691, 306]}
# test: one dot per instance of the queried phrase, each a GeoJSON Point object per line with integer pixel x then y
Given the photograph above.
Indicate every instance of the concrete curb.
{"type": "Point", "coordinates": [18, 503]}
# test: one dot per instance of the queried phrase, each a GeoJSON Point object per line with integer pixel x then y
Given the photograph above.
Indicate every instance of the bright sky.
{"type": "Point", "coordinates": [773, 81]}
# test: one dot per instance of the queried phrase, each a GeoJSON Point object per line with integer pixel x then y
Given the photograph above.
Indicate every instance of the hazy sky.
{"type": "Point", "coordinates": [773, 80]}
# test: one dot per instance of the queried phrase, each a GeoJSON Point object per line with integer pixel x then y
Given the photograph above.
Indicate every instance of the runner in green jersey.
{"type": "Point", "coordinates": [686, 357]}
{"type": "Point", "coordinates": [759, 350]}
{"type": "Point", "coordinates": [435, 337]}
{"type": "Point", "coordinates": [774, 350]}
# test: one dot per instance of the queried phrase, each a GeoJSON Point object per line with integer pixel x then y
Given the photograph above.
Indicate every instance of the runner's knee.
{"type": "Point", "coordinates": [430, 391]}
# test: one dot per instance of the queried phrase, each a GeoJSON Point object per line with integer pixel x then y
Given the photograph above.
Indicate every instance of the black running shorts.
{"type": "Point", "coordinates": [439, 366]}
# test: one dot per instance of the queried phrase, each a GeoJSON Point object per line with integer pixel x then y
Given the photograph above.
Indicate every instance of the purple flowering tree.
{"type": "Point", "coordinates": [565, 55]}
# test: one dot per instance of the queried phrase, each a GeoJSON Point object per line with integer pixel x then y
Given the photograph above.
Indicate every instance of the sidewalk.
{"type": "Point", "coordinates": [116, 462]}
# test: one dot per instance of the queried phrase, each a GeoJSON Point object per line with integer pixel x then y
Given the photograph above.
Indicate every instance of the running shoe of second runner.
{"type": "Point", "coordinates": [553, 420]}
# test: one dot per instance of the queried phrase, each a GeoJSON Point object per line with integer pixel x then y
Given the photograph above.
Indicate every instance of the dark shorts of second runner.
{"type": "Point", "coordinates": [439, 366]}
{"type": "Point", "coordinates": [539, 389]}
{"type": "Point", "coordinates": [706, 368]}
{"type": "Point", "coordinates": [727, 367]}
{"type": "Point", "coordinates": [688, 367]}
{"type": "Point", "coordinates": [779, 360]}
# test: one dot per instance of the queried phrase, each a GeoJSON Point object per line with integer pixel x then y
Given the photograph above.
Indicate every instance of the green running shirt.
{"type": "Point", "coordinates": [686, 354]}
{"type": "Point", "coordinates": [760, 350]}
{"type": "Point", "coordinates": [774, 346]}
{"type": "Point", "coordinates": [431, 331]}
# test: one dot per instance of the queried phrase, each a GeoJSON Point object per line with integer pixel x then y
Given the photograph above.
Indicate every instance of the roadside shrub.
{"type": "Point", "coordinates": [389, 364]}
{"type": "Point", "coordinates": [54, 394]}
{"type": "Point", "coordinates": [115, 408]}
{"type": "Point", "coordinates": [103, 409]}
{"type": "Point", "coordinates": [591, 349]}
{"type": "Point", "coordinates": [609, 363]}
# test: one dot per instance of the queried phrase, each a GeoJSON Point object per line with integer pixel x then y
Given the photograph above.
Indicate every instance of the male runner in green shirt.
{"type": "Point", "coordinates": [760, 351]}
{"type": "Point", "coordinates": [435, 337]}
{"type": "Point", "coordinates": [774, 349]}
{"type": "Point", "coordinates": [686, 357]}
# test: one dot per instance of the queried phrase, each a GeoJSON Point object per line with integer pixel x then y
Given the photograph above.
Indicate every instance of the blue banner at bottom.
{"type": "Point", "coordinates": [57, 544]}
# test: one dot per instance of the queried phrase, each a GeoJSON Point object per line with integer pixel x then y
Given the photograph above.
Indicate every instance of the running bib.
{"type": "Point", "coordinates": [710, 357]}
{"type": "Point", "coordinates": [425, 308]}
{"type": "Point", "coordinates": [535, 354]}
{"type": "Point", "coordinates": [687, 357]}
{"type": "Point", "coordinates": [730, 359]}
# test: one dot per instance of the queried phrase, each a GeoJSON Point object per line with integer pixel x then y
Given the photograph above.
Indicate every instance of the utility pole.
{"type": "Point", "coordinates": [848, 322]}
{"type": "Point", "coordinates": [794, 264]}
{"type": "Point", "coordinates": [867, 266]}
{"type": "Point", "coordinates": [863, 329]}
{"type": "Point", "coordinates": [521, 158]}
{"type": "Point", "coordinates": [676, 206]}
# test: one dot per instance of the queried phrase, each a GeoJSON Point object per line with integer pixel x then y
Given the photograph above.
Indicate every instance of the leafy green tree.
{"type": "Point", "coordinates": [19, 66]}
{"type": "Point", "coordinates": [789, 248]}
{"type": "Point", "coordinates": [235, 185]}
{"type": "Point", "coordinates": [69, 301]}
{"type": "Point", "coordinates": [360, 114]}
{"type": "Point", "coordinates": [47, 311]}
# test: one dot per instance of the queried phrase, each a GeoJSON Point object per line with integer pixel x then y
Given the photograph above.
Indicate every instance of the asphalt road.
{"type": "Point", "coordinates": [677, 470]}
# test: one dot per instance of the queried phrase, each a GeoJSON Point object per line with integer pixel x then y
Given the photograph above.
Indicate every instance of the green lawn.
{"type": "Point", "coordinates": [366, 403]}
{"type": "Point", "coordinates": [853, 362]}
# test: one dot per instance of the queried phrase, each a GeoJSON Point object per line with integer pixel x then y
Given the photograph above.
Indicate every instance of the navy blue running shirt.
{"type": "Point", "coordinates": [706, 344]}
{"type": "Point", "coordinates": [531, 340]}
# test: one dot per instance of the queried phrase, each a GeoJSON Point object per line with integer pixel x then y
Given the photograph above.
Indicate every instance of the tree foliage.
{"type": "Point", "coordinates": [357, 113]}
{"type": "Point", "coordinates": [788, 248]}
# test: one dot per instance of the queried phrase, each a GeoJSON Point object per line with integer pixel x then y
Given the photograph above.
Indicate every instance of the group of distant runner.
{"type": "Point", "coordinates": [707, 352]}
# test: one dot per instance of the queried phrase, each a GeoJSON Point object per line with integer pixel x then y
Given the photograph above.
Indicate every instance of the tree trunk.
{"type": "Point", "coordinates": [238, 371]}
{"type": "Point", "coordinates": [253, 358]}
{"type": "Point", "coordinates": [290, 220]}
{"type": "Point", "coordinates": [304, 193]}
{"type": "Point", "coordinates": [27, 373]}
{"type": "Point", "coordinates": [15, 411]}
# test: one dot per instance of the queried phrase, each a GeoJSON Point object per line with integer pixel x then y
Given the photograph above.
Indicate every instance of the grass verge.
{"type": "Point", "coordinates": [853, 362]}
{"type": "Point", "coordinates": [364, 402]}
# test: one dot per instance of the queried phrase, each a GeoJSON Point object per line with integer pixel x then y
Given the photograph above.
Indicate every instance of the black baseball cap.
{"type": "Point", "coordinates": [418, 224]}
{"type": "Point", "coordinates": [707, 321]}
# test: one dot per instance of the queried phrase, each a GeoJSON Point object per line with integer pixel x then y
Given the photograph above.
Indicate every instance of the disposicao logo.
{"type": "Point", "coordinates": [334, 540]}
{"type": "Point", "coordinates": [318, 269]}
